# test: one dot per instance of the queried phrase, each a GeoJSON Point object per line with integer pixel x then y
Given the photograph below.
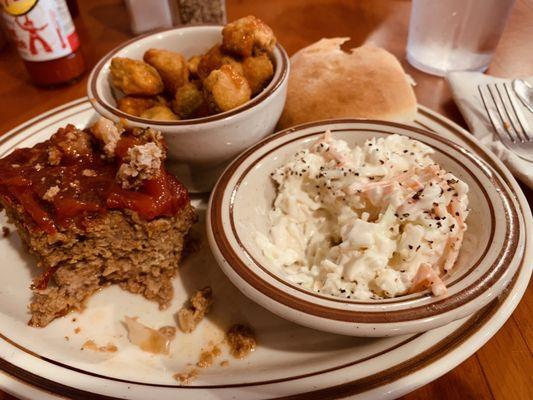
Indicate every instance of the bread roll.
{"type": "Point", "coordinates": [326, 82]}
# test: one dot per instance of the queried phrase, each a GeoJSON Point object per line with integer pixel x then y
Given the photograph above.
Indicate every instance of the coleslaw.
{"type": "Point", "coordinates": [374, 221]}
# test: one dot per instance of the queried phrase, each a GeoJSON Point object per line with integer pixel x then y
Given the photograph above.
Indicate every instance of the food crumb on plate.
{"type": "Point", "coordinates": [91, 345]}
{"type": "Point", "coordinates": [224, 363]}
{"type": "Point", "coordinates": [207, 357]}
{"type": "Point", "coordinates": [77, 330]}
{"type": "Point", "coordinates": [196, 308]}
{"type": "Point", "coordinates": [186, 377]}
{"type": "Point", "coordinates": [241, 340]}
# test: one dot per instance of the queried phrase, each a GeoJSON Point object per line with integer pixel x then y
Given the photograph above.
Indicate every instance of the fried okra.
{"type": "Point", "coordinates": [188, 100]}
{"type": "Point", "coordinates": [134, 77]}
{"type": "Point", "coordinates": [167, 86]}
{"type": "Point", "coordinates": [248, 36]}
{"type": "Point", "coordinates": [192, 64]}
{"type": "Point", "coordinates": [135, 105]}
{"type": "Point", "coordinates": [214, 59]}
{"type": "Point", "coordinates": [160, 112]}
{"type": "Point", "coordinates": [225, 89]}
{"type": "Point", "coordinates": [171, 66]}
{"type": "Point", "coordinates": [258, 71]}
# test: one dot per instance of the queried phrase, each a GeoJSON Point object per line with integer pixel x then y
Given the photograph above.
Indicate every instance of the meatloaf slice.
{"type": "Point", "coordinates": [96, 207]}
{"type": "Point", "coordinates": [119, 247]}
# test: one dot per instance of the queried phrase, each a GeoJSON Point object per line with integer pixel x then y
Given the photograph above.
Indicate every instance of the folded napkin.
{"type": "Point", "coordinates": [466, 96]}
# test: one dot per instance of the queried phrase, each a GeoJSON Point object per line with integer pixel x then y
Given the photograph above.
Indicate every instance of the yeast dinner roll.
{"type": "Point", "coordinates": [326, 82]}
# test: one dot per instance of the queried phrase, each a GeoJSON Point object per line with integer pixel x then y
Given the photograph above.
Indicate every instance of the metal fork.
{"type": "Point", "coordinates": [507, 118]}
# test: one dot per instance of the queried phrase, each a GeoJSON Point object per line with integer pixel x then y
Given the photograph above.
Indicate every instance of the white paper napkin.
{"type": "Point", "coordinates": [466, 96]}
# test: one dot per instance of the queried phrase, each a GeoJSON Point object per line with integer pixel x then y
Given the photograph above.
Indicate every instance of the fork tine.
{"type": "Point", "coordinates": [528, 136]}
{"type": "Point", "coordinates": [511, 121]}
{"type": "Point", "coordinates": [493, 120]}
{"type": "Point", "coordinates": [506, 125]}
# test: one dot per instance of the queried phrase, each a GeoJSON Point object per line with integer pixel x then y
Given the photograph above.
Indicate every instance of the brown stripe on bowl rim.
{"type": "Point", "coordinates": [474, 290]}
{"type": "Point", "coordinates": [436, 352]}
{"type": "Point", "coordinates": [260, 97]}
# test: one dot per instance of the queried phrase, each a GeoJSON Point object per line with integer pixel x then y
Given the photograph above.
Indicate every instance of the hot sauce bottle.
{"type": "Point", "coordinates": [46, 39]}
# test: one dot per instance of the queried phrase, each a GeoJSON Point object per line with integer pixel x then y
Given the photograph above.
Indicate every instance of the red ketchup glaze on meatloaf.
{"type": "Point", "coordinates": [82, 181]}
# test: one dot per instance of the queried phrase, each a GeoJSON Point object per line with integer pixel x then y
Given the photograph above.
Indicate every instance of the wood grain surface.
{"type": "Point", "coordinates": [502, 369]}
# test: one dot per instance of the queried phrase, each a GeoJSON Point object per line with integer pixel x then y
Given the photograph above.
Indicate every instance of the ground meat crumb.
{"type": "Point", "coordinates": [241, 340]}
{"type": "Point", "coordinates": [109, 133]}
{"type": "Point", "coordinates": [224, 363]}
{"type": "Point", "coordinates": [54, 156]}
{"type": "Point", "coordinates": [193, 312]}
{"type": "Point", "coordinates": [91, 345]}
{"type": "Point", "coordinates": [88, 172]}
{"type": "Point", "coordinates": [186, 377]}
{"type": "Point", "coordinates": [142, 162]}
{"type": "Point", "coordinates": [149, 135]}
{"type": "Point", "coordinates": [6, 231]}
{"type": "Point", "coordinates": [207, 357]}
{"type": "Point", "coordinates": [51, 193]}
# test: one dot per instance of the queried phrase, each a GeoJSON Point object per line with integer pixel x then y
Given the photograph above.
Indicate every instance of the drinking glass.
{"type": "Point", "coordinates": [455, 35]}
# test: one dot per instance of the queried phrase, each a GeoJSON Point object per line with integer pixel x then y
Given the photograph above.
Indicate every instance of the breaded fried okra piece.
{"type": "Point", "coordinates": [225, 89]}
{"type": "Point", "coordinates": [214, 59]}
{"type": "Point", "coordinates": [258, 71]}
{"type": "Point", "coordinates": [171, 66]}
{"type": "Point", "coordinates": [160, 113]}
{"type": "Point", "coordinates": [135, 105]}
{"type": "Point", "coordinates": [188, 100]}
{"type": "Point", "coordinates": [135, 77]}
{"type": "Point", "coordinates": [192, 65]}
{"type": "Point", "coordinates": [247, 36]}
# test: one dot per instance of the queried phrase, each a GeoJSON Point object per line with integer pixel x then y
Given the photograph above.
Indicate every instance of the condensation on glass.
{"type": "Point", "coordinates": [455, 35]}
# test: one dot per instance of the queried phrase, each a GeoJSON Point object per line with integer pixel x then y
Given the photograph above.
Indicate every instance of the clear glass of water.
{"type": "Point", "coordinates": [455, 35]}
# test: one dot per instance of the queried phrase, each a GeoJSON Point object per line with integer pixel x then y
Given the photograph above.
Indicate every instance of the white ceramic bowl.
{"type": "Point", "coordinates": [198, 148]}
{"type": "Point", "coordinates": [492, 247]}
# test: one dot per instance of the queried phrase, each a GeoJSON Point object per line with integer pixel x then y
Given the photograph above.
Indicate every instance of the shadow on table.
{"type": "Point", "coordinates": [113, 16]}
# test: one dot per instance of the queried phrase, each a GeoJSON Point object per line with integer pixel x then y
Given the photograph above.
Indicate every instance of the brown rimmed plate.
{"type": "Point", "coordinates": [289, 361]}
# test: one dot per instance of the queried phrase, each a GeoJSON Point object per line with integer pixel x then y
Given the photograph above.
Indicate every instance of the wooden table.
{"type": "Point", "coordinates": [502, 368]}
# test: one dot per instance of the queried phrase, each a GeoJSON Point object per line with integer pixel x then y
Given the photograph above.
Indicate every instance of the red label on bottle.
{"type": "Point", "coordinates": [41, 29]}
{"type": "Point", "coordinates": [74, 41]}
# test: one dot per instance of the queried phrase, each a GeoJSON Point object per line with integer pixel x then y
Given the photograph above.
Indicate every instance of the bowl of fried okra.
{"type": "Point", "coordinates": [213, 91]}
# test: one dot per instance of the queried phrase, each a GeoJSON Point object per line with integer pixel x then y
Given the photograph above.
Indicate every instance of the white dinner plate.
{"type": "Point", "coordinates": [289, 361]}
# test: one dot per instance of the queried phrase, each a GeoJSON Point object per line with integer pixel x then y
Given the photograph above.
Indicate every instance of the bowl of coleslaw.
{"type": "Point", "coordinates": [365, 228]}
